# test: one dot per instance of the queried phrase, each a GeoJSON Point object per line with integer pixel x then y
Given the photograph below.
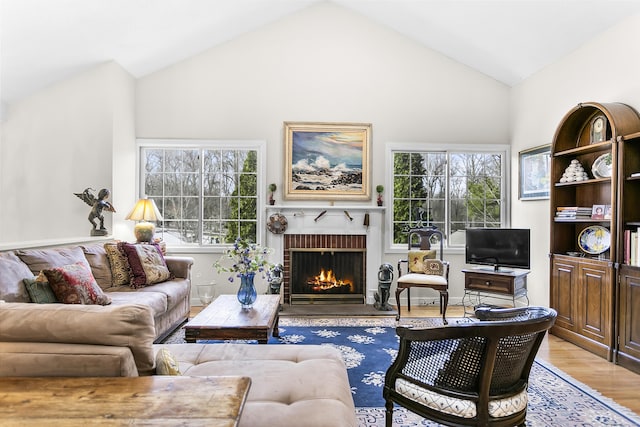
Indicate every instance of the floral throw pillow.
{"type": "Point", "coordinates": [74, 284]}
{"type": "Point", "coordinates": [416, 260]}
{"type": "Point", "coordinates": [146, 263]}
{"type": "Point", "coordinates": [434, 267]}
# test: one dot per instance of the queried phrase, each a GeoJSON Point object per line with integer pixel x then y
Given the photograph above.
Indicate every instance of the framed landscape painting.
{"type": "Point", "coordinates": [327, 161]}
{"type": "Point", "coordinates": [535, 172]}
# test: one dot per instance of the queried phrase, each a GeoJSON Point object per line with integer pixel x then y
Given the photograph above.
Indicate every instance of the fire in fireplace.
{"type": "Point", "coordinates": [327, 275]}
{"type": "Point", "coordinates": [326, 281]}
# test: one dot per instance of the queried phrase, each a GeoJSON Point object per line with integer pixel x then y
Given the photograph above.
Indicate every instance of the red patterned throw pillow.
{"type": "Point", "coordinates": [146, 263]}
{"type": "Point", "coordinates": [74, 284]}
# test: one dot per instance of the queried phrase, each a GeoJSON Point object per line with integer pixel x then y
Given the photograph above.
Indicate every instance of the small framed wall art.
{"type": "Point", "coordinates": [535, 171]}
{"type": "Point", "coordinates": [327, 161]}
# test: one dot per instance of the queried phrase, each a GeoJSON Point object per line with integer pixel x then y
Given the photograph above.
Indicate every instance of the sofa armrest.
{"type": "Point", "coordinates": [130, 326]}
{"type": "Point", "coordinates": [38, 359]}
{"type": "Point", "coordinates": [179, 266]}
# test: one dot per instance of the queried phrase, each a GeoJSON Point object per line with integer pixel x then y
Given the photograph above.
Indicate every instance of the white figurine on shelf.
{"type": "Point", "coordinates": [574, 172]}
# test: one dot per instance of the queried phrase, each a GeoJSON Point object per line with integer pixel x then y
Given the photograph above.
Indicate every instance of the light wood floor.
{"type": "Point", "coordinates": [610, 380]}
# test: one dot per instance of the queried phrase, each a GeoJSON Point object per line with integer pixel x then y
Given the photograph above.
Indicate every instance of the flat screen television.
{"type": "Point", "coordinates": [498, 247]}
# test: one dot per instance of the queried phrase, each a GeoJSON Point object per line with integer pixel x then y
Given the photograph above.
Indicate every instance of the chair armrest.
{"type": "Point", "coordinates": [446, 269]}
{"type": "Point", "coordinates": [129, 325]}
{"type": "Point", "coordinates": [518, 313]}
{"type": "Point", "coordinates": [405, 261]}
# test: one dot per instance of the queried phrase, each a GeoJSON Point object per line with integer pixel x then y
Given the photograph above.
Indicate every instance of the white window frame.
{"type": "Point", "coordinates": [420, 147]}
{"type": "Point", "coordinates": [258, 145]}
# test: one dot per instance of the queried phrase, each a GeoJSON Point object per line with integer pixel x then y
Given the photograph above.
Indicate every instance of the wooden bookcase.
{"type": "Point", "coordinates": [584, 284]}
{"type": "Point", "coordinates": [628, 298]}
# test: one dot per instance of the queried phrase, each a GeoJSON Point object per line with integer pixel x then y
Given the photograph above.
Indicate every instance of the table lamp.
{"type": "Point", "coordinates": [144, 211]}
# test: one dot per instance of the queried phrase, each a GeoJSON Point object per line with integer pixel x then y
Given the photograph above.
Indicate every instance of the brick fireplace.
{"type": "Point", "coordinates": [324, 268]}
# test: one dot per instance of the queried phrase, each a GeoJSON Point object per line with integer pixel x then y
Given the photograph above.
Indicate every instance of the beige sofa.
{"type": "Point", "coordinates": [168, 300]}
{"type": "Point", "coordinates": [291, 385]}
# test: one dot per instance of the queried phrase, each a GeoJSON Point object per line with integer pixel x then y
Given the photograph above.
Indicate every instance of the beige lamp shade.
{"type": "Point", "coordinates": [144, 211]}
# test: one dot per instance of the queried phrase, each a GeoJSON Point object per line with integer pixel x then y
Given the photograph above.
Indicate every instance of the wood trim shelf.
{"type": "Point", "coordinates": [630, 136]}
{"type": "Point", "coordinates": [608, 221]}
{"type": "Point", "coordinates": [585, 182]}
{"type": "Point", "coordinates": [592, 148]}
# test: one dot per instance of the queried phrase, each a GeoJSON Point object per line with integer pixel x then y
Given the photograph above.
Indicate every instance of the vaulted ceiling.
{"type": "Point", "coordinates": [44, 41]}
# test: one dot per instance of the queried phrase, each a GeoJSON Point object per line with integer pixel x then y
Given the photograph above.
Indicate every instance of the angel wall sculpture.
{"type": "Point", "coordinates": [98, 204]}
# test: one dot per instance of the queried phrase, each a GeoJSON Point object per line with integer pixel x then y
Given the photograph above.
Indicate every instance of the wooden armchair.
{"type": "Point", "coordinates": [468, 374]}
{"type": "Point", "coordinates": [423, 270]}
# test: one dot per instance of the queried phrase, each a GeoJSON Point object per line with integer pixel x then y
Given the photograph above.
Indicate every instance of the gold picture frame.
{"type": "Point", "coordinates": [327, 161]}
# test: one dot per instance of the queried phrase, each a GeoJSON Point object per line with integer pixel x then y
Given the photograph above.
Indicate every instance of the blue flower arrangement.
{"type": "Point", "coordinates": [245, 258]}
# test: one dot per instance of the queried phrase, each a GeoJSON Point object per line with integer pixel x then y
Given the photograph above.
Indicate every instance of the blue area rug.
{"type": "Point", "coordinates": [555, 399]}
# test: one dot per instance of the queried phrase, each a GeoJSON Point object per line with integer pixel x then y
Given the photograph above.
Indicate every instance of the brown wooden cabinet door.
{"type": "Point", "coordinates": [629, 306]}
{"type": "Point", "coordinates": [564, 282]}
{"type": "Point", "coordinates": [595, 292]}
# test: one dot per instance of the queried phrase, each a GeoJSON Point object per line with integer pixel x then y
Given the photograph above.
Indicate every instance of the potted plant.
{"type": "Point", "coordinates": [272, 188]}
{"type": "Point", "coordinates": [379, 190]}
{"type": "Point", "coordinates": [246, 259]}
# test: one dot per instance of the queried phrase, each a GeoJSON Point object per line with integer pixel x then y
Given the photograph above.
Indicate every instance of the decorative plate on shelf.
{"type": "Point", "coordinates": [601, 168]}
{"type": "Point", "coordinates": [594, 239]}
{"type": "Point", "coordinates": [277, 223]}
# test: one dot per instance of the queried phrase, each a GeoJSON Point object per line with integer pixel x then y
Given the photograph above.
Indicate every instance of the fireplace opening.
{"type": "Point", "coordinates": [327, 276]}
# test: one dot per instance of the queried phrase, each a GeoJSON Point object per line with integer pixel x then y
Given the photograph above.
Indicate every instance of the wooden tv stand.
{"type": "Point", "coordinates": [487, 282]}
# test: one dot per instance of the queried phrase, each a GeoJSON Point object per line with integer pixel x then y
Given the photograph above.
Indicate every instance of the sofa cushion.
{"type": "Point", "coordinates": [156, 301]}
{"type": "Point", "coordinates": [74, 284]}
{"type": "Point", "coordinates": [175, 290]}
{"type": "Point", "coordinates": [14, 271]}
{"type": "Point", "coordinates": [146, 263]}
{"type": "Point", "coordinates": [118, 264]}
{"type": "Point", "coordinates": [285, 385]}
{"type": "Point", "coordinates": [42, 259]}
{"type": "Point", "coordinates": [39, 290]}
{"type": "Point", "coordinates": [97, 258]}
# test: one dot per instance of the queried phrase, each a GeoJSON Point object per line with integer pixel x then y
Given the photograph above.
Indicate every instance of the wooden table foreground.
{"type": "Point", "coordinates": [154, 400]}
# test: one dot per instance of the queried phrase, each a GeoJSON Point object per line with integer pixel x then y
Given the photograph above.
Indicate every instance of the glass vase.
{"type": "Point", "coordinates": [247, 293]}
{"type": "Point", "coordinates": [206, 293]}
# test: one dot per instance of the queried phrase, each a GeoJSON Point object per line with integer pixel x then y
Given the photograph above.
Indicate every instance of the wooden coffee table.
{"type": "Point", "coordinates": [151, 400]}
{"type": "Point", "coordinates": [225, 319]}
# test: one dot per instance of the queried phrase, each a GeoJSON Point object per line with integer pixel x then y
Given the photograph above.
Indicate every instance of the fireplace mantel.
{"type": "Point", "coordinates": [340, 219]}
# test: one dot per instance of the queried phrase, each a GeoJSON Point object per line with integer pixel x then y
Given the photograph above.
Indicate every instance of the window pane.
{"type": "Point", "coordinates": [207, 195]}
{"type": "Point", "coordinates": [452, 191]}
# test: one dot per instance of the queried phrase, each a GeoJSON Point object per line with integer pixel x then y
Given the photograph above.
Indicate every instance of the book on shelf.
{"type": "Point", "coordinates": [574, 212]}
{"type": "Point", "coordinates": [631, 248]}
{"type": "Point", "coordinates": [635, 175]}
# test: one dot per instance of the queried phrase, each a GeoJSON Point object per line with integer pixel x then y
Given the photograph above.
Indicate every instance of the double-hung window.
{"type": "Point", "coordinates": [207, 191]}
{"type": "Point", "coordinates": [452, 188]}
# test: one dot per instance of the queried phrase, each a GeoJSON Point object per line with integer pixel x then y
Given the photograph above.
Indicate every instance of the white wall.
{"type": "Point", "coordinates": [607, 69]}
{"type": "Point", "coordinates": [55, 143]}
{"type": "Point", "coordinates": [324, 63]}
